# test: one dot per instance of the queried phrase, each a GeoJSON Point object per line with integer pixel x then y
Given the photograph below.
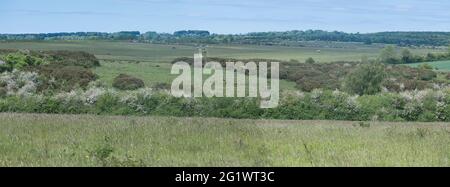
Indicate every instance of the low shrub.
{"type": "Point", "coordinates": [310, 60]}
{"type": "Point", "coordinates": [425, 66]}
{"type": "Point", "coordinates": [415, 85]}
{"type": "Point", "coordinates": [20, 60]}
{"type": "Point", "coordinates": [60, 77]}
{"type": "Point", "coordinates": [19, 82]}
{"type": "Point", "coordinates": [107, 103]}
{"type": "Point", "coordinates": [392, 86]}
{"type": "Point", "coordinates": [3, 92]}
{"type": "Point", "coordinates": [127, 82]}
{"type": "Point", "coordinates": [427, 75]}
{"type": "Point", "coordinates": [72, 58]}
{"type": "Point", "coordinates": [375, 106]}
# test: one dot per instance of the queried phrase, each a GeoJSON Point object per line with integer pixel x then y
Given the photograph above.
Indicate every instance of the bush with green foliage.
{"type": "Point", "coordinates": [3, 92]}
{"type": "Point", "coordinates": [427, 74]}
{"type": "Point", "coordinates": [425, 66]}
{"type": "Point", "coordinates": [127, 82]}
{"type": "Point", "coordinates": [72, 58]}
{"type": "Point", "coordinates": [407, 56]}
{"type": "Point", "coordinates": [19, 60]}
{"type": "Point", "coordinates": [366, 79]}
{"type": "Point", "coordinates": [310, 60]}
{"type": "Point", "coordinates": [389, 55]}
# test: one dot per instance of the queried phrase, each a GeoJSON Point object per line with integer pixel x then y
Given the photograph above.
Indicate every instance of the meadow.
{"type": "Point", "coordinates": [91, 140]}
{"type": "Point", "coordinates": [140, 140]}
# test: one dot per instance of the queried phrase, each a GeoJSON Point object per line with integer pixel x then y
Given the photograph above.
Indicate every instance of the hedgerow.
{"type": "Point", "coordinates": [425, 105]}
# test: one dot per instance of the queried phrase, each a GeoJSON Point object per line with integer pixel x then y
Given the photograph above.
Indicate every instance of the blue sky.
{"type": "Point", "coordinates": [223, 16]}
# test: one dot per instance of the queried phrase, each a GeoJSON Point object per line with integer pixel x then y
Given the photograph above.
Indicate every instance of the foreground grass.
{"type": "Point", "coordinates": [88, 140]}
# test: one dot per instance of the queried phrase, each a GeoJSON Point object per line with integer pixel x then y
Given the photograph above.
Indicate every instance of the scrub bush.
{"type": "Point", "coordinates": [127, 82]}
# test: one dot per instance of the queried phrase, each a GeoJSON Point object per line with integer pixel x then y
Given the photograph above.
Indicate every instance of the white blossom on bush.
{"type": "Point", "coordinates": [74, 96]}
{"type": "Point", "coordinates": [441, 108]}
{"type": "Point", "coordinates": [407, 95]}
{"type": "Point", "coordinates": [92, 94]}
{"type": "Point", "coordinates": [421, 94]}
{"type": "Point", "coordinates": [316, 94]}
{"type": "Point", "coordinates": [144, 92]}
{"type": "Point", "coordinates": [353, 101]}
{"type": "Point", "coordinates": [27, 90]}
{"type": "Point", "coordinates": [131, 99]}
{"type": "Point", "coordinates": [20, 83]}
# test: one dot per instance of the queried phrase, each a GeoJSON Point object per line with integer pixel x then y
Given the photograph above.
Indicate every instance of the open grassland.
{"type": "Point", "coordinates": [152, 73]}
{"type": "Point", "coordinates": [166, 53]}
{"type": "Point", "coordinates": [89, 140]}
{"type": "Point", "coordinates": [440, 65]}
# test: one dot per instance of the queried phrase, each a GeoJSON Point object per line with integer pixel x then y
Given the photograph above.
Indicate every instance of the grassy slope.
{"type": "Point", "coordinates": [86, 140]}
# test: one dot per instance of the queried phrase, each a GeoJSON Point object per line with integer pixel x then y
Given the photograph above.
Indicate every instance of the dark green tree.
{"type": "Point", "coordinates": [310, 60]}
{"type": "Point", "coordinates": [366, 79]}
{"type": "Point", "coordinates": [389, 55]}
{"type": "Point", "coordinates": [407, 56]}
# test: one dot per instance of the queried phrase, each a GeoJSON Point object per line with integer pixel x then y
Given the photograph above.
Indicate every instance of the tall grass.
{"type": "Point", "coordinates": [90, 140]}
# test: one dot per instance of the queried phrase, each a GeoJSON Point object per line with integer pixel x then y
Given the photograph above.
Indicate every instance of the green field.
{"type": "Point", "coordinates": [89, 140]}
{"type": "Point", "coordinates": [165, 53]}
{"type": "Point", "coordinates": [440, 65]}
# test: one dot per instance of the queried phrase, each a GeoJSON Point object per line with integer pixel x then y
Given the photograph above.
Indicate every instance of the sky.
{"type": "Point", "coordinates": [223, 16]}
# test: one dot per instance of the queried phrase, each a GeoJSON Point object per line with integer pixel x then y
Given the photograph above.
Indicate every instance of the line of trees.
{"type": "Point", "coordinates": [389, 55]}
{"type": "Point", "coordinates": [259, 38]}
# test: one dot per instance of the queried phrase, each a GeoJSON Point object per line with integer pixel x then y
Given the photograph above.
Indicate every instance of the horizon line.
{"type": "Point", "coordinates": [212, 33]}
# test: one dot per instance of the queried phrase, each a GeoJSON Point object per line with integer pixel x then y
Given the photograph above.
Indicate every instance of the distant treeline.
{"type": "Point", "coordinates": [258, 38]}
